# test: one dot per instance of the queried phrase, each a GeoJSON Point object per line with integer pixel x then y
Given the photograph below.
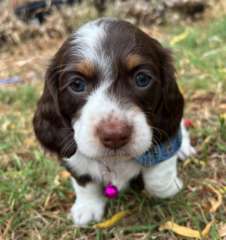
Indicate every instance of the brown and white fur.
{"type": "Point", "coordinates": [112, 120]}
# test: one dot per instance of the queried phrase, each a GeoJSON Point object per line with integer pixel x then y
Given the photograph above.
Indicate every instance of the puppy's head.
{"type": "Point", "coordinates": [110, 91]}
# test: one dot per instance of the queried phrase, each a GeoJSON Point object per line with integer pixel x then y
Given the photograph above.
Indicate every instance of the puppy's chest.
{"type": "Point", "coordinates": [117, 172]}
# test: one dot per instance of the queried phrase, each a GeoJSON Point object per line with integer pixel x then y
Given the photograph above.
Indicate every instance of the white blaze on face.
{"type": "Point", "coordinates": [88, 42]}
{"type": "Point", "coordinates": [101, 105]}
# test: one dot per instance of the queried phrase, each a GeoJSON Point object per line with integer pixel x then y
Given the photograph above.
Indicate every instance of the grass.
{"type": "Point", "coordinates": [34, 200]}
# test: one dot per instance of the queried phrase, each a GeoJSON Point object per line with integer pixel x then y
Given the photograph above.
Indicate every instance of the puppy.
{"type": "Point", "coordinates": [112, 110]}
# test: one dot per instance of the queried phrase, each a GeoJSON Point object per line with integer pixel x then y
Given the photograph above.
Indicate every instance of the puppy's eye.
{"type": "Point", "coordinates": [143, 79]}
{"type": "Point", "coordinates": [78, 85]}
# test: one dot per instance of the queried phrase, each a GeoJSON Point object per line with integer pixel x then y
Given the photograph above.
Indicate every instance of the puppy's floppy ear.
{"type": "Point", "coordinates": [53, 130]}
{"type": "Point", "coordinates": [170, 110]}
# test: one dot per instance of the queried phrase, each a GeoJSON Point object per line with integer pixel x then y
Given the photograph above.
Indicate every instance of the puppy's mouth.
{"type": "Point", "coordinates": [107, 154]}
{"type": "Point", "coordinates": [114, 158]}
{"type": "Point", "coordinates": [112, 154]}
{"type": "Point", "coordinates": [116, 155]}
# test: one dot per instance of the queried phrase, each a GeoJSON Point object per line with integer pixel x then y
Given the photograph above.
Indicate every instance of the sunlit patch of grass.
{"type": "Point", "coordinates": [201, 55]}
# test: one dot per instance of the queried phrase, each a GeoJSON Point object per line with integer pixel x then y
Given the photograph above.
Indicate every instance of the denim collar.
{"type": "Point", "coordinates": [161, 152]}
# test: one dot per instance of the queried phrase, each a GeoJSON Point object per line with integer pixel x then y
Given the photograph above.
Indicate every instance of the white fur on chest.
{"type": "Point", "coordinates": [121, 170]}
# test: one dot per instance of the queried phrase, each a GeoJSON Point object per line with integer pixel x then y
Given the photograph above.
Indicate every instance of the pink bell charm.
{"type": "Point", "coordinates": [110, 191]}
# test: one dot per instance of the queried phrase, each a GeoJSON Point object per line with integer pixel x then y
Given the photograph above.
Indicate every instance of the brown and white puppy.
{"type": "Point", "coordinates": [110, 95]}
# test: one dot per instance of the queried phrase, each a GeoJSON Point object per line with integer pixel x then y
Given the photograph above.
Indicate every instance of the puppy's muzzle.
{"type": "Point", "coordinates": [114, 133]}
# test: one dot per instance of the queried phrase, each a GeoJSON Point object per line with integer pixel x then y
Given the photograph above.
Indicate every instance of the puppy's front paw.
{"type": "Point", "coordinates": [186, 151]}
{"type": "Point", "coordinates": [84, 212]}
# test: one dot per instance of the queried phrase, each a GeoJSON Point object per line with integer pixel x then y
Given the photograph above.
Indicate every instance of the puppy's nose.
{"type": "Point", "coordinates": [114, 134]}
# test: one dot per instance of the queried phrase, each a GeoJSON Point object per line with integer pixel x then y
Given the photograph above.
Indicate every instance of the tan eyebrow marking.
{"type": "Point", "coordinates": [85, 67]}
{"type": "Point", "coordinates": [133, 60]}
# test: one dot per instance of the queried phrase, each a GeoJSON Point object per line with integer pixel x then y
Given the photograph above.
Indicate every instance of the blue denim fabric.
{"type": "Point", "coordinates": [161, 152]}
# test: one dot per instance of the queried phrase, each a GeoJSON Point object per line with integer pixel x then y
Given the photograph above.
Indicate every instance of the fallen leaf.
{"type": "Point", "coordinates": [46, 203]}
{"type": "Point", "coordinates": [21, 63]}
{"type": "Point", "coordinates": [29, 142]}
{"type": "Point", "coordinates": [61, 177]}
{"type": "Point", "coordinates": [179, 37]}
{"type": "Point", "coordinates": [222, 190]}
{"type": "Point", "coordinates": [215, 203]}
{"type": "Point", "coordinates": [223, 70]}
{"type": "Point", "coordinates": [205, 141]}
{"type": "Point", "coordinates": [64, 175]}
{"type": "Point", "coordinates": [186, 231]}
{"type": "Point", "coordinates": [181, 90]}
{"type": "Point", "coordinates": [12, 126]}
{"type": "Point", "coordinates": [194, 161]}
{"type": "Point", "coordinates": [223, 116]}
{"type": "Point", "coordinates": [5, 126]}
{"type": "Point", "coordinates": [56, 180]}
{"type": "Point", "coordinates": [113, 220]}
{"type": "Point", "coordinates": [222, 230]}
{"type": "Point", "coordinates": [180, 230]}
{"type": "Point", "coordinates": [206, 230]}
{"type": "Point", "coordinates": [187, 162]}
{"type": "Point", "coordinates": [70, 195]}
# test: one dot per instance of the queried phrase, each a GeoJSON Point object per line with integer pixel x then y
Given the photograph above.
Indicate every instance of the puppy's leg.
{"type": "Point", "coordinates": [186, 150]}
{"type": "Point", "coordinates": [89, 204]}
{"type": "Point", "coordinates": [161, 180]}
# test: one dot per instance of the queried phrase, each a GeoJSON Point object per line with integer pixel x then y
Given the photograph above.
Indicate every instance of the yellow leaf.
{"type": "Point", "coordinates": [181, 90]}
{"type": "Point", "coordinates": [215, 204]}
{"type": "Point", "coordinates": [179, 37]}
{"type": "Point", "coordinates": [47, 201]}
{"type": "Point", "coordinates": [222, 190]}
{"type": "Point", "coordinates": [206, 230]}
{"type": "Point", "coordinates": [222, 230]}
{"type": "Point", "coordinates": [223, 116]}
{"type": "Point", "coordinates": [187, 162]}
{"type": "Point", "coordinates": [5, 126]}
{"type": "Point", "coordinates": [29, 142]}
{"type": "Point", "coordinates": [223, 70]}
{"type": "Point", "coordinates": [180, 230]}
{"type": "Point", "coordinates": [113, 220]}
{"type": "Point", "coordinates": [185, 231]}
{"type": "Point", "coordinates": [195, 161]}
{"type": "Point", "coordinates": [64, 175]}
{"type": "Point", "coordinates": [12, 126]}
